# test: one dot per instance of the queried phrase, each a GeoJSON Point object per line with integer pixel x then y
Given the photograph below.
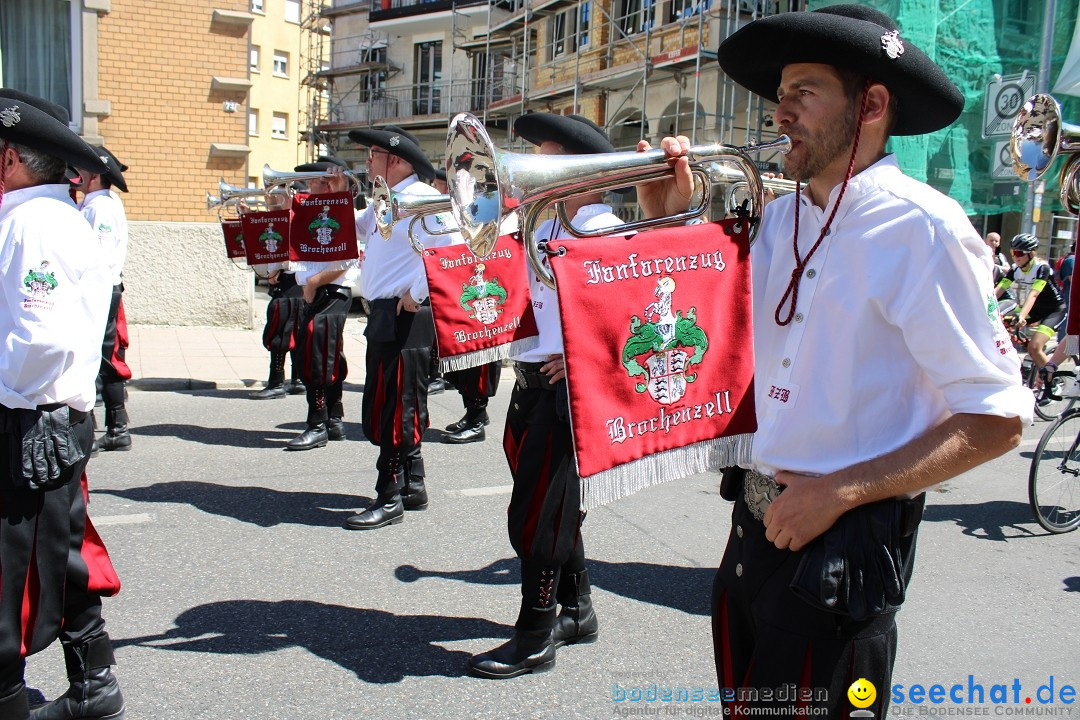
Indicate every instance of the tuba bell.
{"type": "Point", "coordinates": [1039, 135]}
{"type": "Point", "coordinates": [486, 184]}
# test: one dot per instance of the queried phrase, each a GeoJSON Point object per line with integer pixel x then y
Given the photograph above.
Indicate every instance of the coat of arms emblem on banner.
{"type": "Point", "coordinates": [323, 227]}
{"type": "Point", "coordinates": [270, 239]}
{"type": "Point", "coordinates": [481, 298]}
{"type": "Point", "coordinates": [663, 346]}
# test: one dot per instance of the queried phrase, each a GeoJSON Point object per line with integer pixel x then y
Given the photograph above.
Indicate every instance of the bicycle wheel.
{"type": "Point", "coordinates": [1063, 386]}
{"type": "Point", "coordinates": [1054, 479]}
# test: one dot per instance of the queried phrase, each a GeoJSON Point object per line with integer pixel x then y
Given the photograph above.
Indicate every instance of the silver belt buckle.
{"type": "Point", "coordinates": [759, 491]}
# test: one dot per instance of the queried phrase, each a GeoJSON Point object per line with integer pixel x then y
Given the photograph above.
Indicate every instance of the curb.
{"type": "Point", "coordinates": [174, 384]}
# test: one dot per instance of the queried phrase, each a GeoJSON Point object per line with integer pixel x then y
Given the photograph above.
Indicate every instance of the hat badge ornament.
{"type": "Point", "coordinates": [104, 159]}
{"type": "Point", "coordinates": [9, 117]}
{"type": "Point", "coordinates": [892, 44]}
{"type": "Point", "coordinates": [395, 141]}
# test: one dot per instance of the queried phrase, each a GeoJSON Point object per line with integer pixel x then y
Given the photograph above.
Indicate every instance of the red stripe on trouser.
{"type": "Point", "coordinates": [725, 647]}
{"type": "Point", "coordinates": [511, 447]}
{"type": "Point", "coordinates": [101, 575]}
{"type": "Point", "coordinates": [399, 407]}
{"type": "Point", "coordinates": [804, 681]}
{"type": "Point", "coordinates": [272, 325]}
{"type": "Point", "coordinates": [30, 601]}
{"type": "Point", "coordinates": [536, 503]}
{"type": "Point", "coordinates": [310, 328]}
{"type": "Point", "coordinates": [418, 432]}
{"type": "Point", "coordinates": [119, 357]}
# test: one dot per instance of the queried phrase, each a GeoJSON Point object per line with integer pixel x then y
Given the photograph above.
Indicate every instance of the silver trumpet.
{"type": "Point", "coordinates": [274, 178]}
{"type": "Point", "coordinates": [1039, 135]}
{"type": "Point", "coordinates": [391, 207]}
{"type": "Point", "coordinates": [487, 184]}
{"type": "Point", "coordinates": [738, 190]}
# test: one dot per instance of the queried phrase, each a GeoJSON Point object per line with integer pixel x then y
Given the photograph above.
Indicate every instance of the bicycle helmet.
{"type": "Point", "coordinates": [1025, 242]}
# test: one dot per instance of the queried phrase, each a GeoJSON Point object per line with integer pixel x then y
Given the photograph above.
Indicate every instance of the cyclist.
{"type": "Point", "coordinates": [1040, 301]}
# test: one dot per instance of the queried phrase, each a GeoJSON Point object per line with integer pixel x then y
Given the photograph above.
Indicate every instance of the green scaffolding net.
{"type": "Point", "coordinates": [973, 41]}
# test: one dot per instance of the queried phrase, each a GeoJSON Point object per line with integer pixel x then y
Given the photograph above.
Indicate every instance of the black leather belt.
{"type": "Point", "coordinates": [529, 376]}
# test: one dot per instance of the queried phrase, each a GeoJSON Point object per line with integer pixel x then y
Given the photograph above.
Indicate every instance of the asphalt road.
{"type": "Point", "coordinates": [244, 597]}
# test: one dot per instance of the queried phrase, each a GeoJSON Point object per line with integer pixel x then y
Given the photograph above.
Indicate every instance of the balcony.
{"type": "Point", "coordinates": [424, 104]}
{"type": "Point", "coordinates": [357, 54]}
{"type": "Point", "coordinates": [382, 10]}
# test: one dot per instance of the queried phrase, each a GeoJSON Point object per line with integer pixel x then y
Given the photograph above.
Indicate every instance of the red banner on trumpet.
{"type": "Point", "coordinates": [266, 236]}
{"type": "Point", "coordinates": [323, 228]}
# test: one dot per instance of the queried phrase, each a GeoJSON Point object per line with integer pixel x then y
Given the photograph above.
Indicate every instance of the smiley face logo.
{"type": "Point", "coordinates": [862, 693]}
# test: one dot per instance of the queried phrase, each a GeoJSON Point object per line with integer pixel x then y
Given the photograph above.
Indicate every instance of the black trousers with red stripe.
{"type": "Point", "coordinates": [764, 636]}
{"type": "Point", "coordinates": [283, 315]}
{"type": "Point", "coordinates": [114, 367]}
{"type": "Point", "coordinates": [544, 517]}
{"type": "Point", "coordinates": [42, 561]}
{"type": "Point", "coordinates": [320, 339]}
{"type": "Point", "coordinates": [395, 412]}
{"type": "Point", "coordinates": [476, 384]}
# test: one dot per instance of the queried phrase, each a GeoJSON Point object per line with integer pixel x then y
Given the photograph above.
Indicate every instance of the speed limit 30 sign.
{"type": "Point", "coordinates": [1004, 97]}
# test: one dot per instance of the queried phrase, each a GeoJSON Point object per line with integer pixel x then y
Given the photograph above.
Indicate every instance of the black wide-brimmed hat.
{"type": "Point", "coordinates": [850, 37]}
{"type": "Point", "coordinates": [321, 164]}
{"type": "Point", "coordinates": [42, 125]}
{"type": "Point", "coordinates": [115, 175]}
{"type": "Point", "coordinates": [577, 134]}
{"type": "Point", "coordinates": [440, 174]}
{"type": "Point", "coordinates": [397, 142]}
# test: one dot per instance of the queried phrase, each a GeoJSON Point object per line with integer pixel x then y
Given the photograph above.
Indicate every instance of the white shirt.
{"type": "Point", "coordinates": [895, 328]}
{"type": "Point", "coordinates": [392, 267]}
{"type": "Point", "coordinates": [545, 301]}
{"type": "Point", "coordinates": [54, 300]}
{"type": "Point", "coordinates": [105, 213]}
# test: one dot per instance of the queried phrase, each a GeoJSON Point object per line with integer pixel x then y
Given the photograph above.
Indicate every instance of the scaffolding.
{"type": "Point", "coordinates": [314, 34]}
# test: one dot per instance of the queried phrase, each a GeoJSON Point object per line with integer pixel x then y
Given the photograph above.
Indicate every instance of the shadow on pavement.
{"type": "Point", "coordinates": [988, 520]}
{"type": "Point", "coordinates": [227, 436]}
{"type": "Point", "coordinates": [256, 505]}
{"type": "Point", "coordinates": [681, 588]}
{"type": "Point", "coordinates": [378, 646]}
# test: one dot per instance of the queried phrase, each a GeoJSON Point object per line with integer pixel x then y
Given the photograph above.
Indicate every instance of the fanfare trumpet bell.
{"type": "Point", "coordinates": [390, 207]}
{"type": "Point", "coordinates": [272, 178]}
{"type": "Point", "coordinates": [486, 184]}
{"type": "Point", "coordinates": [1039, 135]}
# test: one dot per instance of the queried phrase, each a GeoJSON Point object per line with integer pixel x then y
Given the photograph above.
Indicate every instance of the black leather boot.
{"type": "Point", "coordinates": [275, 383]}
{"type": "Point", "coordinates": [314, 437]}
{"type": "Point", "coordinates": [414, 494]}
{"type": "Point", "coordinates": [386, 510]}
{"type": "Point", "coordinates": [531, 648]}
{"type": "Point", "coordinates": [116, 435]}
{"type": "Point", "coordinates": [577, 622]}
{"type": "Point", "coordinates": [335, 429]}
{"type": "Point", "coordinates": [15, 706]}
{"type": "Point", "coordinates": [469, 419]}
{"type": "Point", "coordinates": [296, 386]}
{"type": "Point", "coordinates": [93, 693]}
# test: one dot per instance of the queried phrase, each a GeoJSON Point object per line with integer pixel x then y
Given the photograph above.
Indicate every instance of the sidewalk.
{"type": "Point", "coordinates": [204, 358]}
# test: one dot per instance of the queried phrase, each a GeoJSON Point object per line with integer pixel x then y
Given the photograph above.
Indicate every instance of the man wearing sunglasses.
{"type": "Point", "coordinates": [1040, 301]}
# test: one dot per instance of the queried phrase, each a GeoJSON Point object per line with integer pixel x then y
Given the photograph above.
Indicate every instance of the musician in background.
{"type": "Point", "coordinates": [544, 517]}
{"type": "Point", "coordinates": [400, 332]}
{"type": "Point", "coordinates": [284, 310]}
{"type": "Point", "coordinates": [326, 289]}
{"type": "Point", "coordinates": [52, 318]}
{"type": "Point", "coordinates": [102, 208]}
{"type": "Point", "coordinates": [878, 370]}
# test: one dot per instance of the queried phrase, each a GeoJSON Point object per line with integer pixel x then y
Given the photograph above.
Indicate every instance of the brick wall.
{"type": "Point", "coordinates": [156, 59]}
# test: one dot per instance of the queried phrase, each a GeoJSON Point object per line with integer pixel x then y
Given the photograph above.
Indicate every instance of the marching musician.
{"type": "Point", "coordinates": [865, 259]}
{"type": "Point", "coordinates": [320, 336]}
{"type": "Point", "coordinates": [283, 314]}
{"type": "Point", "coordinates": [102, 208]}
{"type": "Point", "coordinates": [54, 311]}
{"type": "Point", "coordinates": [544, 517]}
{"type": "Point", "coordinates": [400, 332]}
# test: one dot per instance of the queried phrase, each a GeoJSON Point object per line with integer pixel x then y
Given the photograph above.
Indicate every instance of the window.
{"type": "Point", "coordinates": [39, 40]}
{"type": "Point", "coordinates": [569, 31]}
{"type": "Point", "coordinates": [685, 9]}
{"type": "Point", "coordinates": [253, 58]}
{"type": "Point", "coordinates": [280, 128]}
{"type": "Point", "coordinates": [634, 16]}
{"type": "Point", "coordinates": [253, 183]}
{"type": "Point", "coordinates": [428, 78]}
{"type": "Point", "coordinates": [257, 7]}
{"type": "Point", "coordinates": [281, 64]}
{"type": "Point", "coordinates": [253, 123]}
{"type": "Point", "coordinates": [292, 11]}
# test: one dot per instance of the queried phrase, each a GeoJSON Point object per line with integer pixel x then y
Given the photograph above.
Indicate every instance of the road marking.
{"type": "Point", "coordinates": [492, 490]}
{"type": "Point", "coordinates": [123, 519]}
